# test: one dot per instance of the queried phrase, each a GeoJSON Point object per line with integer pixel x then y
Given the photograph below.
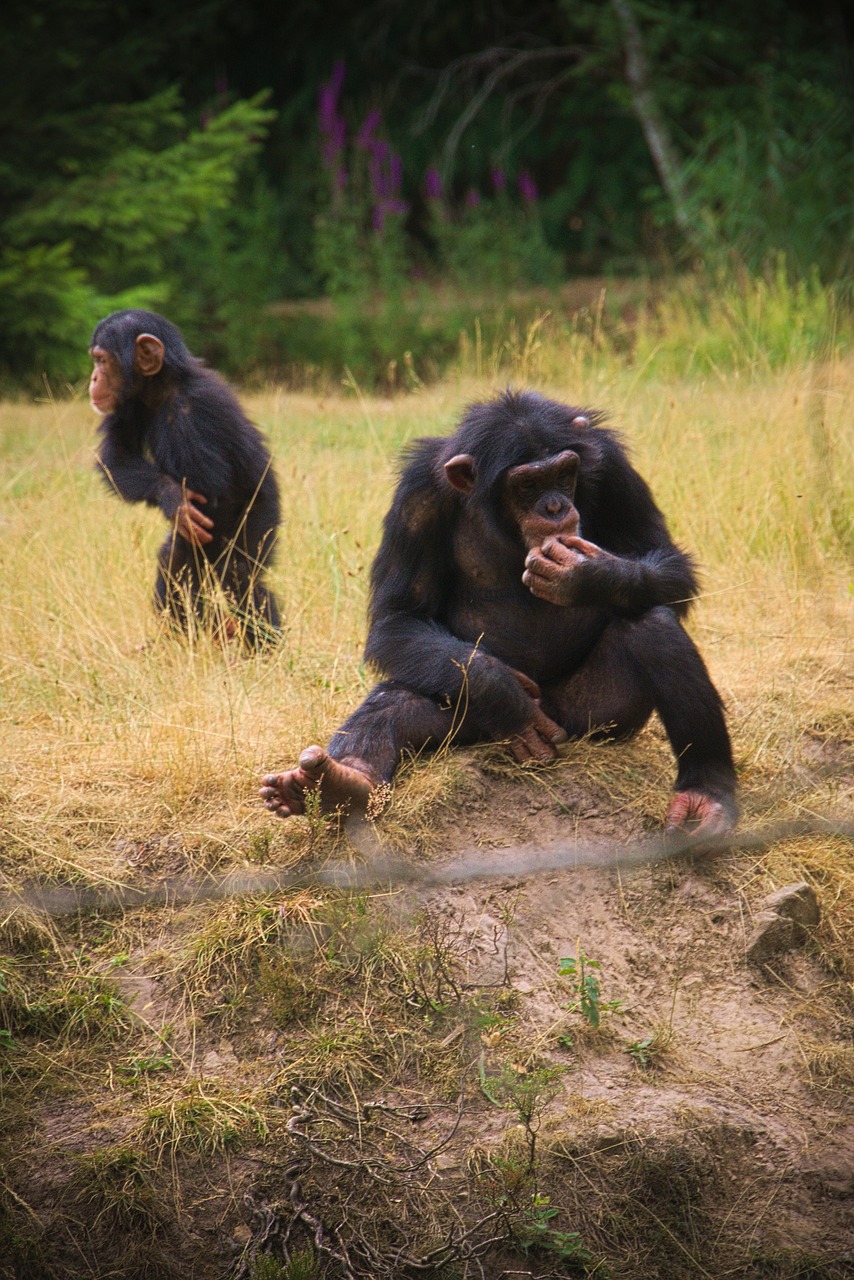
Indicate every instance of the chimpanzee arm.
{"type": "Point", "coordinates": [411, 580]}
{"type": "Point", "coordinates": [625, 559]}
{"type": "Point", "coordinates": [129, 474]}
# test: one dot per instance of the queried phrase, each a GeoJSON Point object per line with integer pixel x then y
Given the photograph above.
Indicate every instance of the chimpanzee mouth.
{"type": "Point", "coordinates": [537, 529]}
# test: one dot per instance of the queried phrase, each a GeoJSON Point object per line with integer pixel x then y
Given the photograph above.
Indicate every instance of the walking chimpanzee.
{"type": "Point", "coordinates": [526, 588]}
{"type": "Point", "coordinates": [175, 437]}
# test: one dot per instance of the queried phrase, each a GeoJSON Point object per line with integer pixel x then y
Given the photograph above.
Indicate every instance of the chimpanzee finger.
{"type": "Point", "coordinates": [530, 686]}
{"type": "Point", "coordinates": [589, 550]}
{"type": "Point", "coordinates": [519, 749]}
{"type": "Point", "coordinates": [199, 517]}
{"type": "Point", "coordinates": [542, 588]}
{"type": "Point", "coordinates": [559, 552]}
{"type": "Point", "coordinates": [537, 565]}
{"type": "Point", "coordinates": [549, 729]}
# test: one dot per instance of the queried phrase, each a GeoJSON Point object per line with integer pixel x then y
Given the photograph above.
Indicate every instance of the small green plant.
{"type": "Point", "coordinates": [118, 1183]}
{"type": "Point", "coordinates": [528, 1092]}
{"type": "Point", "coordinates": [646, 1053]}
{"type": "Point", "coordinates": [289, 994]}
{"type": "Point", "coordinates": [535, 1233]}
{"type": "Point", "coordinates": [204, 1121]}
{"type": "Point", "coordinates": [300, 1266]}
{"type": "Point", "coordinates": [586, 986]}
{"type": "Point", "coordinates": [145, 1066]}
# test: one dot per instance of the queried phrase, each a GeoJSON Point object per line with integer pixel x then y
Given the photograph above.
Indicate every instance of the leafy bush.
{"type": "Point", "coordinates": [104, 220]}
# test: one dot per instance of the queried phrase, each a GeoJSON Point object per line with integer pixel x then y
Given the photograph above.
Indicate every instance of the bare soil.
{"type": "Point", "coordinates": [705, 1128]}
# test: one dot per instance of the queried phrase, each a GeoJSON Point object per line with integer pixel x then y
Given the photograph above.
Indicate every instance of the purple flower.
{"type": "Point", "coordinates": [327, 99]}
{"type": "Point", "coordinates": [433, 184]}
{"type": "Point", "coordinates": [333, 142]}
{"type": "Point", "coordinates": [527, 187]}
{"type": "Point", "coordinates": [222, 85]}
{"type": "Point", "coordinates": [386, 171]}
{"type": "Point", "coordinates": [472, 198]}
{"type": "Point", "coordinates": [333, 128]}
{"type": "Point", "coordinates": [370, 124]}
{"type": "Point", "coordinates": [499, 180]}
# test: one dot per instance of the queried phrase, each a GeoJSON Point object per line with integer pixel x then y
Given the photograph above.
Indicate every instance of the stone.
{"type": "Point", "coordinates": [796, 902]}
{"type": "Point", "coordinates": [771, 935]}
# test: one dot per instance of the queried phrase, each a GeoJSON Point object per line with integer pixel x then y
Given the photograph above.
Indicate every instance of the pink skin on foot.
{"type": "Point", "coordinates": [695, 814]}
{"type": "Point", "coordinates": [341, 786]}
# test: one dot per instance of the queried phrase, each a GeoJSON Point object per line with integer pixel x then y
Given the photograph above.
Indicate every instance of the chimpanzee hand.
{"type": "Point", "coordinates": [192, 523]}
{"type": "Point", "coordinates": [552, 571]}
{"type": "Point", "coordinates": [538, 739]}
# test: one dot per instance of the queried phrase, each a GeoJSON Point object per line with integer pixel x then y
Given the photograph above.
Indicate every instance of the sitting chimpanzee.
{"type": "Point", "coordinates": [527, 589]}
{"type": "Point", "coordinates": [174, 436]}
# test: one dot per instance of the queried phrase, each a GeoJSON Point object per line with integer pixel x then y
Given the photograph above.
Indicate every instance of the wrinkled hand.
{"type": "Point", "coordinates": [539, 738]}
{"type": "Point", "coordinates": [551, 570]}
{"type": "Point", "coordinates": [192, 523]}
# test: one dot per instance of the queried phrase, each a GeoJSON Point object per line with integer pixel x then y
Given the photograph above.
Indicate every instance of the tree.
{"type": "Point", "coordinates": [95, 187]}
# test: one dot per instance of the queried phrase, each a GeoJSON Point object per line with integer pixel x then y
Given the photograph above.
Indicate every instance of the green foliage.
{"type": "Point", "coordinates": [82, 1007]}
{"type": "Point", "coordinates": [205, 1120]}
{"type": "Point", "coordinates": [589, 1002]}
{"type": "Point", "coordinates": [222, 279]}
{"type": "Point", "coordinates": [494, 245]}
{"type": "Point", "coordinates": [125, 181]}
{"type": "Point", "coordinates": [536, 1234]}
{"type": "Point", "coordinates": [93, 234]}
{"type": "Point", "coordinates": [300, 1266]}
{"type": "Point", "coordinates": [526, 1091]}
{"type": "Point", "coordinates": [751, 322]}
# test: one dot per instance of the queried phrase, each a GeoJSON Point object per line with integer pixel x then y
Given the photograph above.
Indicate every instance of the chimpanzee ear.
{"type": "Point", "coordinates": [460, 472]}
{"type": "Point", "coordinates": [148, 355]}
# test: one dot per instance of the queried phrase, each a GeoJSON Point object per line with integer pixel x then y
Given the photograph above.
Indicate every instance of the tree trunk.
{"type": "Point", "coordinates": [655, 130]}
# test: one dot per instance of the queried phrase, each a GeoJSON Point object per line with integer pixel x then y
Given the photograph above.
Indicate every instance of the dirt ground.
{"type": "Point", "coordinates": [704, 1128]}
{"type": "Point", "coordinates": [737, 1092]}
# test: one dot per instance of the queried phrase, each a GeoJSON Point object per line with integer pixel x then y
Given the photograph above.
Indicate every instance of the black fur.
{"type": "Point", "coordinates": [184, 428]}
{"type": "Point", "coordinates": [450, 615]}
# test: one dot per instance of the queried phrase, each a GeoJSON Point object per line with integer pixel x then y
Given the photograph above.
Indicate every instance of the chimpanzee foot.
{"type": "Point", "coordinates": [700, 816]}
{"type": "Point", "coordinates": [341, 786]}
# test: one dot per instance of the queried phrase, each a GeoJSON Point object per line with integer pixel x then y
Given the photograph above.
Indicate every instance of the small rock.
{"type": "Point", "coordinates": [771, 935]}
{"type": "Point", "coordinates": [796, 902]}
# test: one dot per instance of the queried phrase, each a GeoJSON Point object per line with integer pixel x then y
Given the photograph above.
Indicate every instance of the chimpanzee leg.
{"type": "Point", "coordinates": [646, 664]}
{"type": "Point", "coordinates": [178, 583]}
{"type": "Point", "coordinates": [394, 719]}
{"type": "Point", "coordinates": [366, 750]}
{"type": "Point", "coordinates": [255, 603]}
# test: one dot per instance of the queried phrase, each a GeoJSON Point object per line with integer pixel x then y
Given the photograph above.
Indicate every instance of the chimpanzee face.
{"type": "Point", "coordinates": [105, 383]}
{"type": "Point", "coordinates": [108, 385]}
{"type": "Point", "coordinates": [540, 497]}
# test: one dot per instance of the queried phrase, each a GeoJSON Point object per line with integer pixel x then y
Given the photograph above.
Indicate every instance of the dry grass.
{"type": "Point", "coordinates": [105, 743]}
{"type": "Point", "coordinates": [129, 756]}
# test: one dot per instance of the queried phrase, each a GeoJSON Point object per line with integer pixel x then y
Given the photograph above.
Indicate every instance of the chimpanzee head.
{"type": "Point", "coordinates": [520, 457]}
{"type": "Point", "coordinates": [129, 348]}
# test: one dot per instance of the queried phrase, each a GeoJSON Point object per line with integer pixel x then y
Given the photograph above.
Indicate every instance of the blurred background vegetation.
{"type": "Point", "coordinates": [314, 190]}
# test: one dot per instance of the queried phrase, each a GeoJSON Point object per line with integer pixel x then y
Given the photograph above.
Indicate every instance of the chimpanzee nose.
{"type": "Point", "coordinates": [555, 506]}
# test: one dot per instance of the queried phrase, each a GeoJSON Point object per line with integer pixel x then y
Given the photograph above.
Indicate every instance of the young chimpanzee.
{"type": "Point", "coordinates": [174, 436]}
{"type": "Point", "coordinates": [527, 589]}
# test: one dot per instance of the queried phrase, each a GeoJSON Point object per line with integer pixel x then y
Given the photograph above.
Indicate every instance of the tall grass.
{"type": "Point", "coordinates": [114, 735]}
